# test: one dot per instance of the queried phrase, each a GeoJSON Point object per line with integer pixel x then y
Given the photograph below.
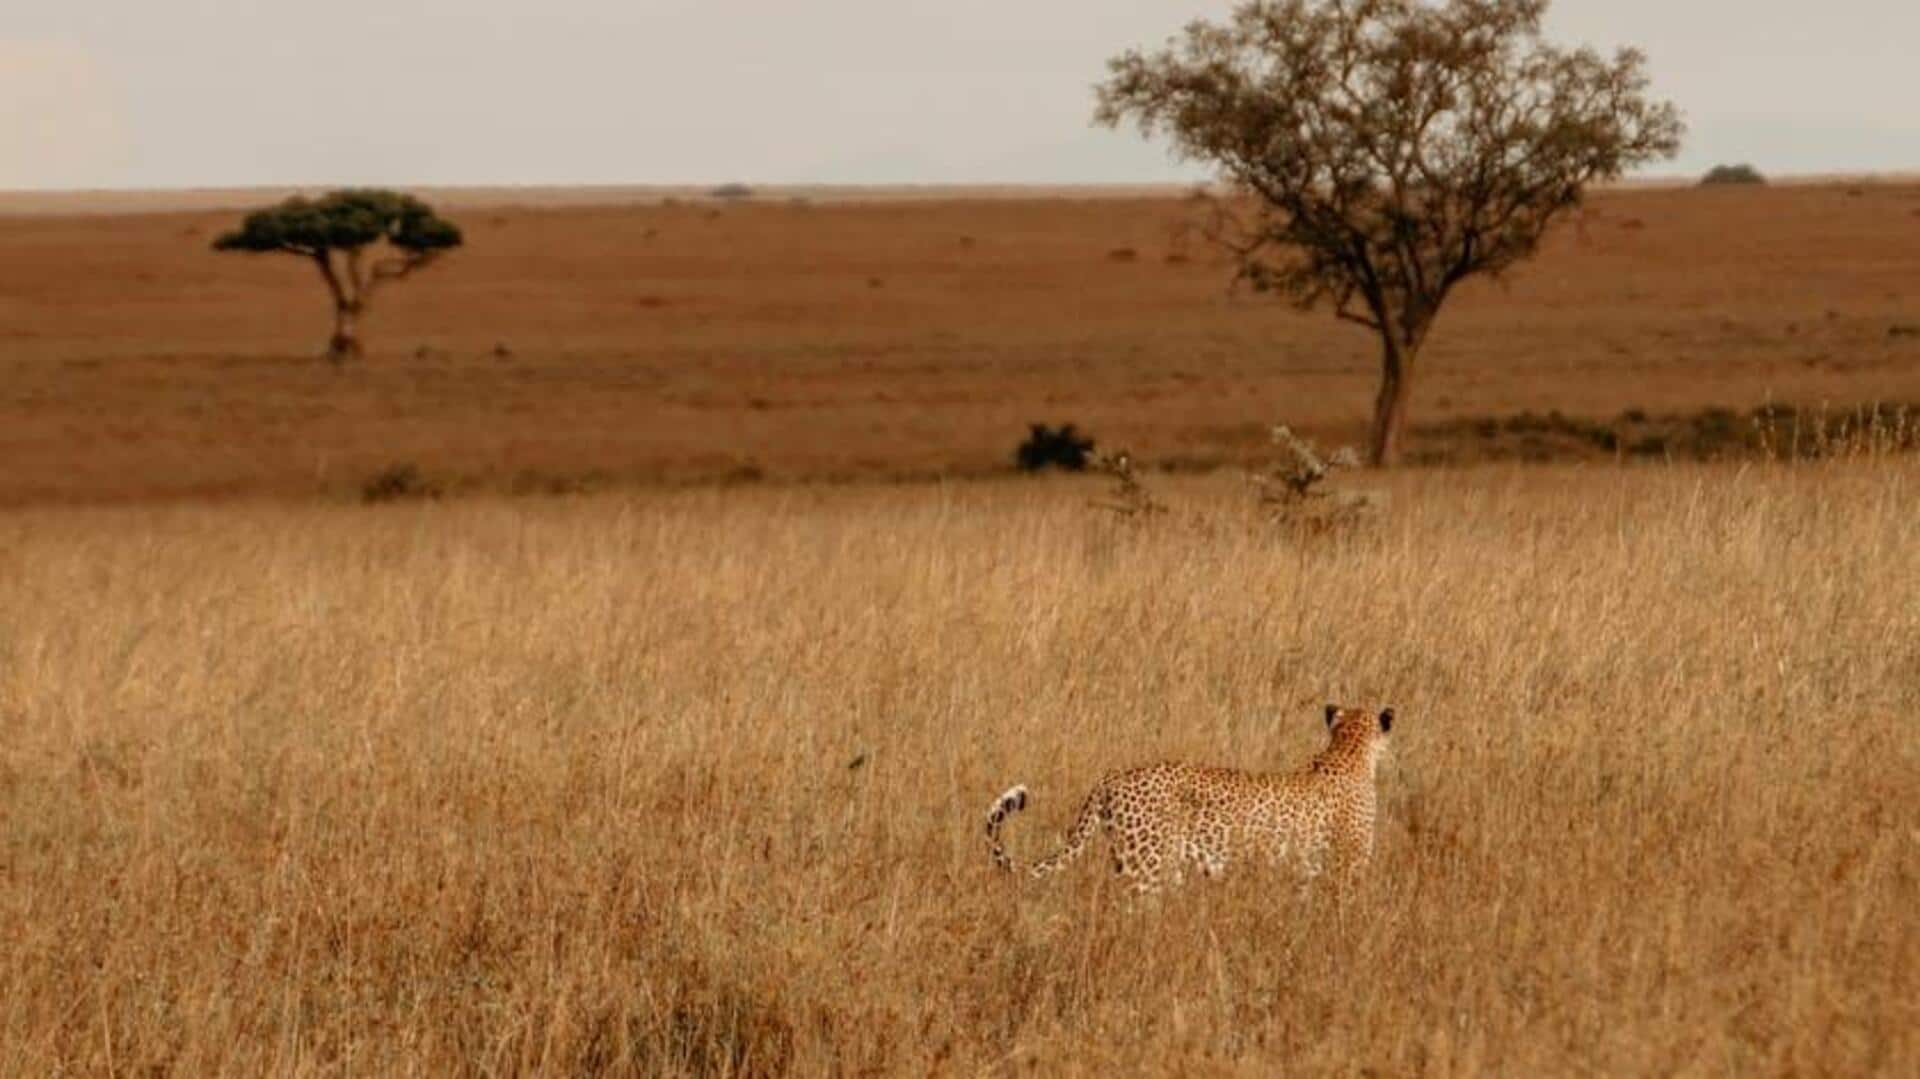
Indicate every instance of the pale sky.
{"type": "Point", "coordinates": [182, 93]}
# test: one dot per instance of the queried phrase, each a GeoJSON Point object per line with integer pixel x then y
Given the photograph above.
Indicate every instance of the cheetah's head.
{"type": "Point", "coordinates": [1359, 727]}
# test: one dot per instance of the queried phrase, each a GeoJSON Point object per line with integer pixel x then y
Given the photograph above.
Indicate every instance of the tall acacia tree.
{"type": "Point", "coordinates": [1391, 149]}
{"type": "Point", "coordinates": [336, 232]}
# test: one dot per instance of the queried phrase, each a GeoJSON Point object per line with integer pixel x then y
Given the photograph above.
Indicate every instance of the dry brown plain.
{"type": "Point", "coordinates": [692, 783]}
{"type": "Point", "coordinates": [652, 342]}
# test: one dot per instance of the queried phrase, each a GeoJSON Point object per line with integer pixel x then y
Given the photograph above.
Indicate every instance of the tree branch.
{"type": "Point", "coordinates": [323, 259]}
{"type": "Point", "coordinates": [1345, 314]}
{"type": "Point", "coordinates": [393, 269]}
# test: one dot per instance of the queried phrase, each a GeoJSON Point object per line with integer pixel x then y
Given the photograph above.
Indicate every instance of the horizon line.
{"type": "Point", "coordinates": [213, 197]}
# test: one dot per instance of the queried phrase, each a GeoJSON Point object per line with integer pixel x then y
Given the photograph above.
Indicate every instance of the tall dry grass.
{"type": "Point", "coordinates": [694, 782]}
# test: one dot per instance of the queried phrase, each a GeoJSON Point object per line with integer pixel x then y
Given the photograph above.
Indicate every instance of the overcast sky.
{"type": "Point", "coordinates": [173, 93]}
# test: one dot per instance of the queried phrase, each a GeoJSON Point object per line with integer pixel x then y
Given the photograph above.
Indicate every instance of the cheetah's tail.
{"type": "Point", "coordinates": [1004, 806]}
{"type": "Point", "coordinates": [1013, 802]}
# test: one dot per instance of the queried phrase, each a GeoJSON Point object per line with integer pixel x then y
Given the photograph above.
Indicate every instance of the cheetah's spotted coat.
{"type": "Point", "coordinates": [1161, 818]}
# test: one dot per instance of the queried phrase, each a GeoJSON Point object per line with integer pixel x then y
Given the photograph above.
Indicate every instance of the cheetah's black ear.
{"type": "Point", "coordinates": [1333, 713]}
{"type": "Point", "coordinates": [1386, 720]}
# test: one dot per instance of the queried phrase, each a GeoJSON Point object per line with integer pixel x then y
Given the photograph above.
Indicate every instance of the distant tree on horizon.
{"type": "Point", "coordinates": [1390, 149]}
{"type": "Point", "coordinates": [1722, 175]}
{"type": "Point", "coordinates": [336, 231]}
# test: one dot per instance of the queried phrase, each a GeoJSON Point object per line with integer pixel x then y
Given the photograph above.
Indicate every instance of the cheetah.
{"type": "Point", "coordinates": [1161, 818]}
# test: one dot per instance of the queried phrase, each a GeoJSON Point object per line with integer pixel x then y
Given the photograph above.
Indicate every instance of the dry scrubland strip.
{"type": "Point", "coordinates": [693, 783]}
{"type": "Point", "coordinates": [185, 199]}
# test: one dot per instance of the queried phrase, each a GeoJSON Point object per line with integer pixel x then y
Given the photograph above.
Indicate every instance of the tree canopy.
{"type": "Point", "coordinates": [334, 231]}
{"type": "Point", "coordinates": [1392, 148]}
{"type": "Point", "coordinates": [343, 221]}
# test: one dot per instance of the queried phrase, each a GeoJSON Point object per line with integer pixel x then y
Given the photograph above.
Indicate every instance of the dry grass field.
{"type": "Point", "coordinates": [572, 344]}
{"type": "Point", "coordinates": [692, 782]}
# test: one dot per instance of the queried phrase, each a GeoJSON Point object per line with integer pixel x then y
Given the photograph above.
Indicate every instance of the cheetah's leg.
{"type": "Point", "coordinates": [1213, 863]}
{"type": "Point", "coordinates": [1149, 862]}
{"type": "Point", "coordinates": [1208, 847]}
{"type": "Point", "coordinates": [1313, 861]}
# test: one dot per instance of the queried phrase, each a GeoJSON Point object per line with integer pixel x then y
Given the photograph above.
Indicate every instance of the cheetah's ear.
{"type": "Point", "coordinates": [1386, 720]}
{"type": "Point", "coordinates": [1333, 713]}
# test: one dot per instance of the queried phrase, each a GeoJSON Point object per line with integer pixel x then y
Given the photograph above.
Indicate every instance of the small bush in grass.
{"type": "Point", "coordinates": [530, 481]}
{"type": "Point", "coordinates": [1129, 498]}
{"type": "Point", "coordinates": [1061, 447]}
{"type": "Point", "coordinates": [1732, 174]}
{"type": "Point", "coordinates": [1717, 429]}
{"type": "Point", "coordinates": [397, 482]}
{"type": "Point", "coordinates": [1295, 489]}
{"type": "Point", "coordinates": [1781, 432]}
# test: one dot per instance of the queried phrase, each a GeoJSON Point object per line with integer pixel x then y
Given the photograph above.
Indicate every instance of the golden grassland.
{"type": "Point", "coordinates": [693, 782]}
{"type": "Point", "coordinates": [639, 344]}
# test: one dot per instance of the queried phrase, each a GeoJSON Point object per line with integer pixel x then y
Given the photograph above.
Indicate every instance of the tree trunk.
{"type": "Point", "coordinates": [344, 345]}
{"type": "Point", "coordinates": [1390, 407]}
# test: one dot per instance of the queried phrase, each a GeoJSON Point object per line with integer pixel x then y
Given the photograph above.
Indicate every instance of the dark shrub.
{"type": "Point", "coordinates": [398, 482]}
{"type": "Point", "coordinates": [1717, 424]}
{"type": "Point", "coordinates": [1061, 447]}
{"type": "Point", "coordinates": [1732, 174]}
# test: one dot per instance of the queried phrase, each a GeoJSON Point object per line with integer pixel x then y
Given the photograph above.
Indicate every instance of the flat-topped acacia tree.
{"type": "Point", "coordinates": [337, 232]}
{"type": "Point", "coordinates": [1390, 149]}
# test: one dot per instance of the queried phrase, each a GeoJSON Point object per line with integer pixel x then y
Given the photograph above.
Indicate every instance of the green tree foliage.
{"type": "Point", "coordinates": [1391, 149]}
{"type": "Point", "coordinates": [336, 231]}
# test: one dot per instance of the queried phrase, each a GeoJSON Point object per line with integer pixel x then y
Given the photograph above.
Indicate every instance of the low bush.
{"type": "Point", "coordinates": [1732, 174]}
{"type": "Point", "coordinates": [397, 482]}
{"type": "Point", "coordinates": [1061, 447]}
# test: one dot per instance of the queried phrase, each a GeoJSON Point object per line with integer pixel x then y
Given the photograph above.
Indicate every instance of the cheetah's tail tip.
{"type": "Point", "coordinates": [1013, 801]}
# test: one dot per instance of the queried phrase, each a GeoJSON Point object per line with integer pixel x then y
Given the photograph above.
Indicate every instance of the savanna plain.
{"type": "Point", "coordinates": [573, 346]}
{"type": "Point", "coordinates": [679, 777]}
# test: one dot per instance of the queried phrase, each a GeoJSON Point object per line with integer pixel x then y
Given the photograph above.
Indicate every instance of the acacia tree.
{"type": "Point", "coordinates": [335, 231]}
{"type": "Point", "coordinates": [1391, 149]}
